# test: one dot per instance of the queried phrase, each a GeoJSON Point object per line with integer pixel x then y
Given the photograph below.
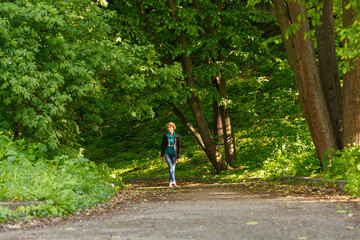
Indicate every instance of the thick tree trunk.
{"type": "Point", "coordinates": [302, 60]}
{"type": "Point", "coordinates": [351, 91]}
{"type": "Point", "coordinates": [329, 72]}
{"type": "Point", "coordinates": [209, 143]}
{"type": "Point", "coordinates": [351, 104]}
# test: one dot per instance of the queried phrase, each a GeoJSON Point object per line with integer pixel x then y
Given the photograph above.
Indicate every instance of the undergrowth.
{"type": "Point", "coordinates": [55, 187]}
{"type": "Point", "coordinates": [345, 164]}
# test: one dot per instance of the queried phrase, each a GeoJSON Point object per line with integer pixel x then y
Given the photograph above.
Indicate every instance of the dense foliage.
{"type": "Point", "coordinates": [345, 164]}
{"type": "Point", "coordinates": [63, 70]}
{"type": "Point", "coordinates": [58, 186]}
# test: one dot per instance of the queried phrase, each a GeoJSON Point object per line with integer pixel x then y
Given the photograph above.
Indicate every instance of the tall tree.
{"type": "Point", "coordinates": [328, 67]}
{"type": "Point", "coordinates": [302, 59]}
{"type": "Point", "coordinates": [221, 120]}
{"type": "Point", "coordinates": [63, 70]}
{"type": "Point", "coordinates": [332, 113]}
{"type": "Point", "coordinates": [223, 109]}
{"type": "Point", "coordinates": [210, 41]}
{"type": "Point", "coordinates": [351, 83]}
{"type": "Point", "coordinates": [209, 143]}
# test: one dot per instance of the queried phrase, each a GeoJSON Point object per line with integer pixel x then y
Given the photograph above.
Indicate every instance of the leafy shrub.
{"type": "Point", "coordinates": [61, 185]}
{"type": "Point", "coordinates": [291, 158]}
{"type": "Point", "coordinates": [345, 164]}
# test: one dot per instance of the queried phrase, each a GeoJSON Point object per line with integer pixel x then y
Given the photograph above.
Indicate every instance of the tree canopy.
{"type": "Point", "coordinates": [64, 69]}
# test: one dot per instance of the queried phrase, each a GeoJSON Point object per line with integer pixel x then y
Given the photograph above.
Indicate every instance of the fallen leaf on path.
{"type": "Point", "coordinates": [342, 211]}
{"type": "Point", "coordinates": [114, 237]}
{"type": "Point", "coordinates": [252, 223]}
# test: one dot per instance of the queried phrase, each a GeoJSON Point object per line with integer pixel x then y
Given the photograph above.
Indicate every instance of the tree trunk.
{"type": "Point", "coordinates": [217, 123]}
{"type": "Point", "coordinates": [218, 127]}
{"type": "Point", "coordinates": [229, 142]}
{"type": "Point", "coordinates": [351, 91]}
{"type": "Point", "coordinates": [329, 72]}
{"type": "Point", "coordinates": [302, 60]}
{"type": "Point", "coordinates": [228, 136]}
{"type": "Point", "coordinates": [209, 143]}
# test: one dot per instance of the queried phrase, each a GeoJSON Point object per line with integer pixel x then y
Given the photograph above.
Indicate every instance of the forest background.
{"type": "Point", "coordinates": [88, 87]}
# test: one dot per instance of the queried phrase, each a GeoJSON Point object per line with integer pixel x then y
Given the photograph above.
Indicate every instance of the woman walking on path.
{"type": "Point", "coordinates": [170, 148]}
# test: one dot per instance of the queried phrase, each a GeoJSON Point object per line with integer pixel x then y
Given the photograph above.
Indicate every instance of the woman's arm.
{"type": "Point", "coordinates": [163, 146]}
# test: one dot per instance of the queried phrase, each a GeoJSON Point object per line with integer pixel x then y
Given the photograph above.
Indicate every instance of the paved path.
{"type": "Point", "coordinates": [214, 211]}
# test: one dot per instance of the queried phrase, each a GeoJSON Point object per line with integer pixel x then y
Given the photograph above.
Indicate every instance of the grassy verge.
{"type": "Point", "coordinates": [58, 186]}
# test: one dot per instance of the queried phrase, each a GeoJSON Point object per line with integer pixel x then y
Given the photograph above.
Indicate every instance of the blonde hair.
{"type": "Point", "coordinates": [171, 124]}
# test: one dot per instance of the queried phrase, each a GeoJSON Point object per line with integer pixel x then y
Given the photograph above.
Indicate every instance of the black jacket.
{"type": "Point", "coordinates": [177, 145]}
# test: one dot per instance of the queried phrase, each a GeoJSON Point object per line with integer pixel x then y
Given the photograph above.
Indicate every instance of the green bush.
{"type": "Point", "coordinates": [60, 186]}
{"type": "Point", "coordinates": [345, 164]}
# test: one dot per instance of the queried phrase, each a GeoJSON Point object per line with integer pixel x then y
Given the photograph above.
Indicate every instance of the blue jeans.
{"type": "Point", "coordinates": [171, 161]}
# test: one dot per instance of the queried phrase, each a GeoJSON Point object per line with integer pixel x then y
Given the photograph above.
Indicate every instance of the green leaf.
{"type": "Point", "coordinates": [252, 223]}
{"type": "Point", "coordinates": [342, 211]}
{"type": "Point", "coordinates": [11, 158]}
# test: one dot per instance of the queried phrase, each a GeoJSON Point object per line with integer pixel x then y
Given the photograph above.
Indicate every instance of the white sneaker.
{"type": "Point", "coordinates": [170, 184]}
{"type": "Point", "coordinates": [175, 184]}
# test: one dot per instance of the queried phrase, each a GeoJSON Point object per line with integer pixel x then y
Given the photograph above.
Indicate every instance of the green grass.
{"type": "Point", "coordinates": [57, 186]}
